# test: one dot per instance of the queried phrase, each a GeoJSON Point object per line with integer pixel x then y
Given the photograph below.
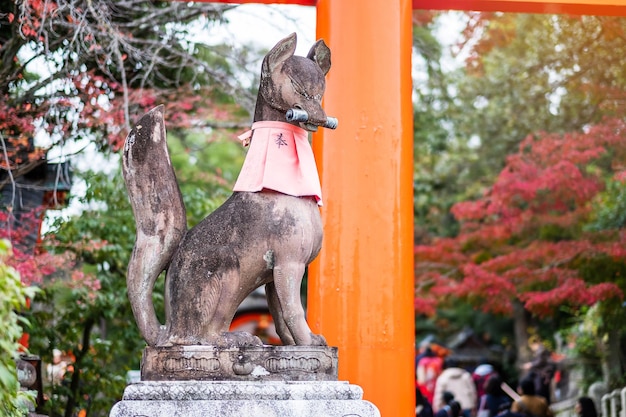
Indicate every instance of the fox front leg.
{"type": "Point", "coordinates": [279, 322]}
{"type": "Point", "coordinates": [287, 281]}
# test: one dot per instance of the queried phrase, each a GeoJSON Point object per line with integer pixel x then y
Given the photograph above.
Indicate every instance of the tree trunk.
{"type": "Point", "coordinates": [613, 367]}
{"type": "Point", "coordinates": [72, 398]}
{"type": "Point", "coordinates": [520, 327]}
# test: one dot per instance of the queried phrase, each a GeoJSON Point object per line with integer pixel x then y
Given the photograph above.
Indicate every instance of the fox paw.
{"type": "Point", "coordinates": [318, 340]}
{"type": "Point", "coordinates": [238, 339]}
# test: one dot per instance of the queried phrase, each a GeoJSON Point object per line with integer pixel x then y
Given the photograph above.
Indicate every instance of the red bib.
{"type": "Point", "coordinates": [280, 158]}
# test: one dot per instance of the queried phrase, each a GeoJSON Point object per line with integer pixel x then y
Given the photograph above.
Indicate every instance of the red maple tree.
{"type": "Point", "coordinates": [525, 240]}
{"type": "Point", "coordinates": [82, 72]}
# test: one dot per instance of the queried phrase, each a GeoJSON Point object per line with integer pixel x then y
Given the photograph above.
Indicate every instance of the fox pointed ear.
{"type": "Point", "coordinates": [278, 54]}
{"type": "Point", "coordinates": [320, 53]}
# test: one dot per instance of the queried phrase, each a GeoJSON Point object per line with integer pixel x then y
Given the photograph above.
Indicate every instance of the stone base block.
{"type": "Point", "coordinates": [266, 363]}
{"type": "Point", "coordinates": [240, 398]}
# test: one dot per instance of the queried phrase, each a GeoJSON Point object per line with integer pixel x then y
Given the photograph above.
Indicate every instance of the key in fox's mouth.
{"type": "Point", "coordinates": [302, 116]}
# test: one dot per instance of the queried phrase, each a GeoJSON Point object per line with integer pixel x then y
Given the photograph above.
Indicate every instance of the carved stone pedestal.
{"type": "Point", "coordinates": [268, 381]}
{"type": "Point", "coordinates": [243, 398]}
{"type": "Point", "coordinates": [266, 363]}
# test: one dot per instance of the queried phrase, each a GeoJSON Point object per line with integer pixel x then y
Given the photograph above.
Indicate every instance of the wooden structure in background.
{"type": "Point", "coordinates": [27, 196]}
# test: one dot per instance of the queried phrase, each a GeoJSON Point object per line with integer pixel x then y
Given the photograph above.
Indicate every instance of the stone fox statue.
{"type": "Point", "coordinates": [266, 233]}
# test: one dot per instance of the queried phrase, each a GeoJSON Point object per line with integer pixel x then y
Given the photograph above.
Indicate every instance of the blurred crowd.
{"type": "Point", "coordinates": [444, 388]}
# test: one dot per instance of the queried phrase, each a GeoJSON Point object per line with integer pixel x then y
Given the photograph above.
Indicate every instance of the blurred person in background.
{"type": "Point", "coordinates": [530, 404]}
{"type": "Point", "coordinates": [585, 407]}
{"type": "Point", "coordinates": [459, 382]}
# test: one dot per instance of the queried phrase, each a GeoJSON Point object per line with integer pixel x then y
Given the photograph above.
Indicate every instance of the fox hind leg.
{"type": "Point", "coordinates": [203, 293]}
{"type": "Point", "coordinates": [230, 297]}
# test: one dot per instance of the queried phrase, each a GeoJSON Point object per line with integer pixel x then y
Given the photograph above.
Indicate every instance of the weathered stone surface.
{"type": "Point", "coordinates": [241, 390]}
{"type": "Point", "coordinates": [266, 363]}
{"type": "Point", "coordinates": [243, 398]}
{"type": "Point", "coordinates": [294, 408]}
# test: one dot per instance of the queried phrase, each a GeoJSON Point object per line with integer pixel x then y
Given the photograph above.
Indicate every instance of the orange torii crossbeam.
{"type": "Point", "coordinates": [574, 7]}
{"type": "Point", "coordinates": [361, 285]}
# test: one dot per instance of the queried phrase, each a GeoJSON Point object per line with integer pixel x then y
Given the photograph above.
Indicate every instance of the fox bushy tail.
{"type": "Point", "coordinates": [160, 216]}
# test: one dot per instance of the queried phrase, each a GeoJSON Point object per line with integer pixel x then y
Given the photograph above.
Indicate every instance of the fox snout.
{"type": "Point", "coordinates": [315, 117]}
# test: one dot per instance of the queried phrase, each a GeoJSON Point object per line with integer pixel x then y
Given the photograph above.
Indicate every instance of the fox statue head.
{"type": "Point", "coordinates": [291, 82]}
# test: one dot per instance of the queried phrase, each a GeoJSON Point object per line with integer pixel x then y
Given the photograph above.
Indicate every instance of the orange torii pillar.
{"type": "Point", "coordinates": [361, 287]}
